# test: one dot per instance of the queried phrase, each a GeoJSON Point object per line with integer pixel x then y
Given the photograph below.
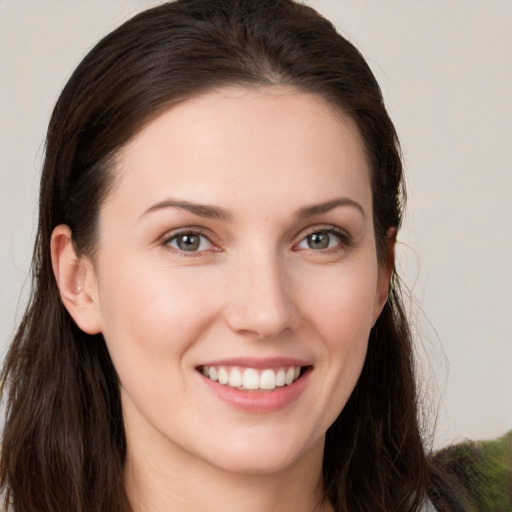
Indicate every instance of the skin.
{"type": "Point", "coordinates": [254, 288]}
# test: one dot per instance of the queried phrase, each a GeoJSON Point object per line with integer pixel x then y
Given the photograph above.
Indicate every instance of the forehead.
{"type": "Point", "coordinates": [245, 141]}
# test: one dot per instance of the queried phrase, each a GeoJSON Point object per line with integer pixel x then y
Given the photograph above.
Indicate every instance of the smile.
{"type": "Point", "coordinates": [252, 379]}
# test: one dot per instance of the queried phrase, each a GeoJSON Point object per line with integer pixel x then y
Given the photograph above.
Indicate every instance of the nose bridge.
{"type": "Point", "coordinates": [260, 298]}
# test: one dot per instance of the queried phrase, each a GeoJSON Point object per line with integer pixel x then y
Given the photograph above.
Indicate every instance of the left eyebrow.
{"type": "Point", "coordinates": [317, 209]}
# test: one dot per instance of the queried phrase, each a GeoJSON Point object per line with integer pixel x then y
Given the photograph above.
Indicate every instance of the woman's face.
{"type": "Point", "coordinates": [237, 245]}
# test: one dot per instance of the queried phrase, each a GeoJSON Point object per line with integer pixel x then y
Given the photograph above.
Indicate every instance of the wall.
{"type": "Point", "coordinates": [445, 68]}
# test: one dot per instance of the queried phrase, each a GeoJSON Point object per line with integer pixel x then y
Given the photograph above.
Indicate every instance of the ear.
{"type": "Point", "coordinates": [76, 280]}
{"type": "Point", "coordinates": [385, 273]}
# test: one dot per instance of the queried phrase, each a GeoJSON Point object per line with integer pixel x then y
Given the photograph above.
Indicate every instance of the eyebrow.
{"type": "Point", "coordinates": [202, 210]}
{"type": "Point", "coordinates": [317, 209]}
{"type": "Point", "coordinates": [217, 213]}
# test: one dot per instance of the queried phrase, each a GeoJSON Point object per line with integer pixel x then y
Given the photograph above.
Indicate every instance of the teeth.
{"type": "Point", "coordinates": [250, 378]}
{"type": "Point", "coordinates": [223, 376]}
{"type": "Point", "coordinates": [235, 378]}
{"type": "Point", "coordinates": [268, 379]}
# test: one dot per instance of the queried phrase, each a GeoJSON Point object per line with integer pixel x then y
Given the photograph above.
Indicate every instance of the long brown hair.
{"type": "Point", "coordinates": [64, 445]}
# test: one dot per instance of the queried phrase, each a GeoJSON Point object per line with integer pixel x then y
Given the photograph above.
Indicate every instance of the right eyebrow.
{"type": "Point", "coordinates": [202, 210]}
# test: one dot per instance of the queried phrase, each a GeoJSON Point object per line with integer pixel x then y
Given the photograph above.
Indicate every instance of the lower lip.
{"type": "Point", "coordinates": [258, 401]}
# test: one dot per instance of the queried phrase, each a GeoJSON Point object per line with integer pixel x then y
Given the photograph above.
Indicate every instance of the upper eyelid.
{"type": "Point", "coordinates": [189, 230]}
{"type": "Point", "coordinates": [324, 228]}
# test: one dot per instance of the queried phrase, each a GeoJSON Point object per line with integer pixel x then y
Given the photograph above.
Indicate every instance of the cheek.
{"type": "Point", "coordinates": [344, 323]}
{"type": "Point", "coordinates": [340, 307]}
{"type": "Point", "coordinates": [341, 302]}
{"type": "Point", "coordinates": [151, 312]}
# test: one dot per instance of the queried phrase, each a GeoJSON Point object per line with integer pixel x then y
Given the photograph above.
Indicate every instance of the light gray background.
{"type": "Point", "coordinates": [445, 67]}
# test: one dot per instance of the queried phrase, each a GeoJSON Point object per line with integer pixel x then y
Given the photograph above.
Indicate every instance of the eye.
{"type": "Point", "coordinates": [323, 239]}
{"type": "Point", "coordinates": [189, 242]}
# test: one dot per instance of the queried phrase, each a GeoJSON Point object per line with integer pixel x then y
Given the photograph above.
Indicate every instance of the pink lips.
{"type": "Point", "coordinates": [253, 362]}
{"type": "Point", "coordinates": [261, 400]}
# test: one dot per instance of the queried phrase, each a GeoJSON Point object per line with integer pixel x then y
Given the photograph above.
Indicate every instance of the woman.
{"type": "Point", "coordinates": [215, 320]}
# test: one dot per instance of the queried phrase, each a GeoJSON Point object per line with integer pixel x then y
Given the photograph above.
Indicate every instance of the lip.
{"type": "Point", "coordinates": [258, 363]}
{"type": "Point", "coordinates": [260, 401]}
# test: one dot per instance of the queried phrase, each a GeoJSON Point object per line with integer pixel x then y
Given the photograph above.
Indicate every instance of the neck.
{"type": "Point", "coordinates": [166, 482]}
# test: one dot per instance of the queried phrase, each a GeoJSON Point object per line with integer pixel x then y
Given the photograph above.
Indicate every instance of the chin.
{"type": "Point", "coordinates": [264, 455]}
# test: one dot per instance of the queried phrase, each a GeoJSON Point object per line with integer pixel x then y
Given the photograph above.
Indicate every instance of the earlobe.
{"type": "Point", "coordinates": [386, 272]}
{"type": "Point", "coordinates": [76, 281]}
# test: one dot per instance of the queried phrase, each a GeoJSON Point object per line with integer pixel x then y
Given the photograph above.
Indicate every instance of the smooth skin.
{"type": "Point", "coordinates": [240, 225]}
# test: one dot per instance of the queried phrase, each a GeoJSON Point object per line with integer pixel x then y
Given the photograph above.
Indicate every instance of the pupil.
{"type": "Point", "coordinates": [318, 241]}
{"type": "Point", "coordinates": [188, 242]}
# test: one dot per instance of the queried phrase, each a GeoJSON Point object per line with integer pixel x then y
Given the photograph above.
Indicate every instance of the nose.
{"type": "Point", "coordinates": [260, 298]}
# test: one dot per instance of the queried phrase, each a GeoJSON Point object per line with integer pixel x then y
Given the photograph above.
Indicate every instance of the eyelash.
{"type": "Point", "coordinates": [343, 236]}
{"type": "Point", "coordinates": [345, 240]}
{"type": "Point", "coordinates": [193, 232]}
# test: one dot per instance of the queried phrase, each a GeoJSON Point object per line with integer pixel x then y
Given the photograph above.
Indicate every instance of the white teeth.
{"type": "Point", "coordinates": [235, 378]}
{"type": "Point", "coordinates": [252, 379]}
{"type": "Point", "coordinates": [268, 379]}
{"type": "Point", "coordinates": [223, 376]}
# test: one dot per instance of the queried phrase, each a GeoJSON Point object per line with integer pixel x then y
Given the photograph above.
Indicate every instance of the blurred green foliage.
{"type": "Point", "coordinates": [483, 469]}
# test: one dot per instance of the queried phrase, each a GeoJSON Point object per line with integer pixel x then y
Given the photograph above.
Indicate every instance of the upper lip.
{"type": "Point", "coordinates": [258, 362]}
